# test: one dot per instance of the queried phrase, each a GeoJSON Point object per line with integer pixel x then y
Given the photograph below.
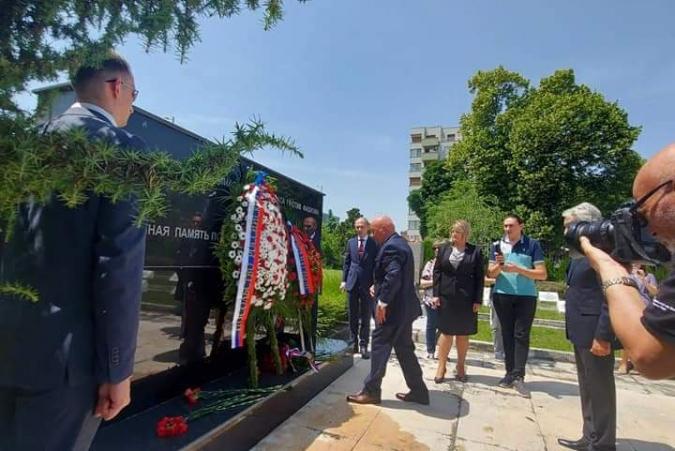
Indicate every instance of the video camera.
{"type": "Point", "coordinates": [624, 235]}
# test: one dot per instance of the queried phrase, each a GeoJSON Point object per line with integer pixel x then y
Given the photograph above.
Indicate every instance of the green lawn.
{"type": "Point", "coordinates": [332, 302]}
{"type": "Point", "coordinates": [544, 311]}
{"type": "Point", "coordinates": [540, 337]}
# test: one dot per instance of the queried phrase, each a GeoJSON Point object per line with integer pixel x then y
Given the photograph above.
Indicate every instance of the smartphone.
{"type": "Point", "coordinates": [498, 250]}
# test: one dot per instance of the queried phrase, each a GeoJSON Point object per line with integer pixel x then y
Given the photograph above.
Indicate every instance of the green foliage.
{"type": "Point", "coordinates": [464, 202]}
{"type": "Point", "coordinates": [541, 150]}
{"type": "Point", "coordinates": [556, 267]}
{"type": "Point", "coordinates": [334, 236]}
{"type": "Point", "coordinates": [332, 303]}
{"type": "Point", "coordinates": [19, 291]}
{"type": "Point", "coordinates": [427, 249]}
{"type": "Point", "coordinates": [41, 39]}
{"type": "Point", "coordinates": [436, 180]}
{"type": "Point", "coordinates": [70, 166]}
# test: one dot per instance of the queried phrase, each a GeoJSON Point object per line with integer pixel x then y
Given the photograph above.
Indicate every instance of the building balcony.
{"type": "Point", "coordinates": [429, 156]}
{"type": "Point", "coordinates": [430, 142]}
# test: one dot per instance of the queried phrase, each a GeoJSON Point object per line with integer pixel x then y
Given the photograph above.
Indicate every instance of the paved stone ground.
{"type": "Point", "coordinates": [476, 415]}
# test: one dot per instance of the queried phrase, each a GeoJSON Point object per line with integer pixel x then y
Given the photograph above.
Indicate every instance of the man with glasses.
{"type": "Point", "coordinates": [357, 277]}
{"type": "Point", "coordinates": [67, 359]}
{"type": "Point", "coordinates": [647, 333]}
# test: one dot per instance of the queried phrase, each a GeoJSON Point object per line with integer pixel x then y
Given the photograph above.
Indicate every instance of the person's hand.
{"type": "Point", "coordinates": [436, 302]}
{"type": "Point", "coordinates": [601, 348]}
{"type": "Point", "coordinates": [112, 398]}
{"type": "Point", "coordinates": [372, 291]}
{"type": "Point", "coordinates": [343, 286]}
{"type": "Point", "coordinates": [510, 267]}
{"type": "Point", "coordinates": [476, 308]}
{"type": "Point", "coordinates": [600, 260]}
{"type": "Point", "coordinates": [380, 314]}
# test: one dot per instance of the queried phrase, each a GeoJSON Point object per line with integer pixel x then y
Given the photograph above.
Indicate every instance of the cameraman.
{"type": "Point", "coordinates": [648, 334]}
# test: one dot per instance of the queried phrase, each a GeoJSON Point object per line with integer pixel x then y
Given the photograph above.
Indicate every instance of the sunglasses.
{"type": "Point", "coordinates": [134, 91]}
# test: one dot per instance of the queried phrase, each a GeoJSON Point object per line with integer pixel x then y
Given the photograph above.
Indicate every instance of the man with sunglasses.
{"type": "Point", "coordinates": [67, 359]}
{"type": "Point", "coordinates": [647, 333]}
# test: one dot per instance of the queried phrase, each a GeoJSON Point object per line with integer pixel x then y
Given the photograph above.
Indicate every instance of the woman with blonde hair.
{"type": "Point", "coordinates": [458, 292]}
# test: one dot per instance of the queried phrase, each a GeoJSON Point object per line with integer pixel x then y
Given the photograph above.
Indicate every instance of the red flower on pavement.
{"type": "Point", "coordinates": [292, 276]}
{"type": "Point", "coordinates": [192, 395]}
{"type": "Point", "coordinates": [171, 426]}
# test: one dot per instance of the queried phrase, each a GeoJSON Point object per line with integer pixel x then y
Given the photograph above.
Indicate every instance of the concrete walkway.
{"type": "Point", "coordinates": [475, 415]}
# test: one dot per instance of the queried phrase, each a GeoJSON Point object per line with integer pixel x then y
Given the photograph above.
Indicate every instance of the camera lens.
{"type": "Point", "coordinates": [600, 234]}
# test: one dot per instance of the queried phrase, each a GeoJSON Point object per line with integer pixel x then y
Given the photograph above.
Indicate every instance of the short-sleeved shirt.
{"type": "Point", "coordinates": [659, 316]}
{"type": "Point", "coordinates": [526, 253]}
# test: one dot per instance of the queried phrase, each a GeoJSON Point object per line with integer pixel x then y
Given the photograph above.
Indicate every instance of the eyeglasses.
{"type": "Point", "coordinates": [134, 91]}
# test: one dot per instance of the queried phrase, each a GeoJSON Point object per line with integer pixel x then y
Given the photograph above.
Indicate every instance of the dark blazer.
{"type": "Point", "coordinates": [586, 314]}
{"type": "Point", "coordinates": [86, 264]}
{"type": "Point", "coordinates": [394, 277]}
{"type": "Point", "coordinates": [358, 272]}
{"type": "Point", "coordinates": [464, 284]}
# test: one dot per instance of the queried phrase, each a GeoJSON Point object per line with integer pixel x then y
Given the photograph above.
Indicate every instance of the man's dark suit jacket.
{"type": "Point", "coordinates": [394, 278]}
{"type": "Point", "coordinates": [464, 284]}
{"type": "Point", "coordinates": [86, 264]}
{"type": "Point", "coordinates": [357, 272]}
{"type": "Point", "coordinates": [586, 314]}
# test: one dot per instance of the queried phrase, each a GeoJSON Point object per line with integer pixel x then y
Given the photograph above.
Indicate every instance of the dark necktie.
{"type": "Point", "coordinates": [361, 248]}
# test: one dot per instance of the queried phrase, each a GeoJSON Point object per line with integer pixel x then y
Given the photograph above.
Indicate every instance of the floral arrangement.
{"type": "Point", "coordinates": [253, 258]}
{"type": "Point", "coordinates": [214, 401]}
{"type": "Point", "coordinates": [261, 247]}
{"type": "Point", "coordinates": [304, 277]}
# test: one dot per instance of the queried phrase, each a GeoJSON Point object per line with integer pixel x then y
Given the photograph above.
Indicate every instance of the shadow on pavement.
{"type": "Point", "coordinates": [641, 445]}
{"type": "Point", "coordinates": [444, 405]}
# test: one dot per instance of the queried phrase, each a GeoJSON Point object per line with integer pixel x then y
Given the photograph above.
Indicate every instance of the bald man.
{"type": "Point", "coordinates": [397, 306]}
{"type": "Point", "coordinates": [648, 334]}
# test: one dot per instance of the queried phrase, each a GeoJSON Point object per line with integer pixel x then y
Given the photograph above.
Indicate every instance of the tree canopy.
{"type": "Point", "coordinates": [436, 180]}
{"type": "Point", "coordinates": [40, 39]}
{"type": "Point", "coordinates": [464, 202]}
{"type": "Point", "coordinates": [541, 150]}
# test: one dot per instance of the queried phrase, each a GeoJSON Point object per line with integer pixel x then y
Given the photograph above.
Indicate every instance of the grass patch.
{"type": "Point", "coordinates": [540, 337]}
{"type": "Point", "coordinates": [332, 303]}
{"type": "Point", "coordinates": [544, 311]}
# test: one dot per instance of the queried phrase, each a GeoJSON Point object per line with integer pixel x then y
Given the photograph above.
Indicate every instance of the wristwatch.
{"type": "Point", "coordinates": [624, 280]}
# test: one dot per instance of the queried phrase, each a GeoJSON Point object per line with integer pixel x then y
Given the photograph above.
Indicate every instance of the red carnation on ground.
{"type": "Point", "coordinates": [292, 276]}
{"type": "Point", "coordinates": [171, 426]}
{"type": "Point", "coordinates": [192, 395]}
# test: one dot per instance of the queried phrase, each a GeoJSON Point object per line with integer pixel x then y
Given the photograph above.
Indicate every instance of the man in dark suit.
{"type": "Point", "coordinates": [589, 329]}
{"type": "Point", "coordinates": [397, 307]}
{"type": "Point", "coordinates": [67, 359]}
{"type": "Point", "coordinates": [357, 277]}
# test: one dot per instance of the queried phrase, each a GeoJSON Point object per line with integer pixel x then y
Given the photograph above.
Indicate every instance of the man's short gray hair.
{"type": "Point", "coordinates": [585, 211]}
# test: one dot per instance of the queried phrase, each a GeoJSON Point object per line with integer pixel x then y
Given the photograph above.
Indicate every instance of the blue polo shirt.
{"type": "Point", "coordinates": [525, 253]}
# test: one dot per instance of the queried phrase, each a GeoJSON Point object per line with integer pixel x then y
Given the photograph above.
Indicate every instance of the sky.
{"type": "Point", "coordinates": [348, 79]}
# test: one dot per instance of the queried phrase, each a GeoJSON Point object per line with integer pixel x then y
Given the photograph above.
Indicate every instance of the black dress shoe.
{"type": "Point", "coordinates": [582, 443]}
{"type": "Point", "coordinates": [419, 398]}
{"type": "Point", "coordinates": [365, 355]}
{"type": "Point", "coordinates": [364, 398]}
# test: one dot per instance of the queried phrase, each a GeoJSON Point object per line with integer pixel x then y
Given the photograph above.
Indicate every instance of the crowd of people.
{"type": "Point", "coordinates": [453, 281]}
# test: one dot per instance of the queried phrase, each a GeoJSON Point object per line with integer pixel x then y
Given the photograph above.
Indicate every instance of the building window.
{"type": "Point", "coordinates": [416, 138]}
{"type": "Point", "coordinates": [413, 225]}
{"type": "Point", "coordinates": [415, 181]}
{"type": "Point", "coordinates": [451, 137]}
{"type": "Point", "coordinates": [415, 153]}
{"type": "Point", "coordinates": [415, 167]}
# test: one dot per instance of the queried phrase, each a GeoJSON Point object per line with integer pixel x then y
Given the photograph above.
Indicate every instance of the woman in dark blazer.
{"type": "Point", "coordinates": [458, 292]}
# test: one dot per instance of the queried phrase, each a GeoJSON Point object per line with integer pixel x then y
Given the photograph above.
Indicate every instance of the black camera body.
{"type": "Point", "coordinates": [624, 236]}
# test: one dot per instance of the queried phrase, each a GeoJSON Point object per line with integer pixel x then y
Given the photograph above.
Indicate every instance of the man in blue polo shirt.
{"type": "Point", "coordinates": [516, 261]}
